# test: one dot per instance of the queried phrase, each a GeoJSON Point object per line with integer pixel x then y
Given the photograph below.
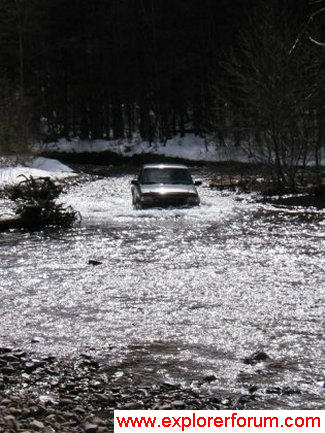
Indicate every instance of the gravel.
{"type": "Point", "coordinates": [80, 394]}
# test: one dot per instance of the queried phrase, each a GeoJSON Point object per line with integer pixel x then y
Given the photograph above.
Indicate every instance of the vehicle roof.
{"type": "Point", "coordinates": [164, 166]}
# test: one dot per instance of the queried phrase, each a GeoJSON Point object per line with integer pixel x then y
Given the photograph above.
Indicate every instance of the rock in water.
{"type": "Point", "coordinates": [94, 262]}
{"type": "Point", "coordinates": [256, 357]}
{"type": "Point", "coordinates": [209, 379]}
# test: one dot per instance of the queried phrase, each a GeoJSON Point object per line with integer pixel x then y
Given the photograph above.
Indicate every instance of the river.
{"type": "Point", "coordinates": [180, 294]}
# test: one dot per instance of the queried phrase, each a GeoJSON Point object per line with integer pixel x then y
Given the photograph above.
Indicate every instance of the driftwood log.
{"type": "Point", "coordinates": [11, 222]}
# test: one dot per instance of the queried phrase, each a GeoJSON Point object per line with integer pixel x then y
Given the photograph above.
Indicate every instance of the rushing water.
{"type": "Point", "coordinates": [179, 294]}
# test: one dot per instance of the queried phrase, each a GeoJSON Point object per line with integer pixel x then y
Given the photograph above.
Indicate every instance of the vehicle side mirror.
{"type": "Point", "coordinates": [198, 183]}
{"type": "Point", "coordinates": [134, 181]}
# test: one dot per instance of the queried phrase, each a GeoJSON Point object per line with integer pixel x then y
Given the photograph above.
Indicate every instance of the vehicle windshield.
{"type": "Point", "coordinates": [166, 176]}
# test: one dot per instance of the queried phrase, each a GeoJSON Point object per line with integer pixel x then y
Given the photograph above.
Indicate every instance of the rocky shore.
{"type": "Point", "coordinates": [79, 395]}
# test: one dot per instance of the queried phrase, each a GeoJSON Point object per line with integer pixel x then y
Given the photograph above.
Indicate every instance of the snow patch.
{"type": "Point", "coordinates": [47, 164]}
{"type": "Point", "coordinates": [39, 167]}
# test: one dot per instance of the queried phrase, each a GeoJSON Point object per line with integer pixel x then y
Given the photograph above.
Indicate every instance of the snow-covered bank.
{"type": "Point", "coordinates": [189, 147]}
{"type": "Point", "coordinates": [38, 167]}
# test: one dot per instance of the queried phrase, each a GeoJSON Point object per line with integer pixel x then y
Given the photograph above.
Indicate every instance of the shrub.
{"type": "Point", "coordinates": [36, 205]}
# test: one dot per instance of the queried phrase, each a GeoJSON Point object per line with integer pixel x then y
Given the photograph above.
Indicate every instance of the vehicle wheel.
{"type": "Point", "coordinates": [135, 203]}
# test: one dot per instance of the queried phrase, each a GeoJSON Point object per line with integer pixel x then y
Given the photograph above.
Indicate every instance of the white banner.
{"type": "Point", "coordinates": [223, 421]}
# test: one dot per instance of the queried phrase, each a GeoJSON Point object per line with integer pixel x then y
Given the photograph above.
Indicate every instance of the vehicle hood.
{"type": "Point", "coordinates": [168, 189]}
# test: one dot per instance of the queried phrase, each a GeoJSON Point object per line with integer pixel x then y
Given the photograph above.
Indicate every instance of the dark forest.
{"type": "Point", "coordinates": [107, 69]}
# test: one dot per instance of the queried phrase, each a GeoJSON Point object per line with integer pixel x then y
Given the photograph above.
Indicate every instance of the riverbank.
{"type": "Point", "coordinates": [48, 394]}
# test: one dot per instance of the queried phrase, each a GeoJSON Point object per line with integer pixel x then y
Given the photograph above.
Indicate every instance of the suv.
{"type": "Point", "coordinates": [164, 185]}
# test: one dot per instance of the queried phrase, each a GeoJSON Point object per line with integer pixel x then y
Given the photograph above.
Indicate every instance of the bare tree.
{"type": "Point", "coordinates": [274, 97]}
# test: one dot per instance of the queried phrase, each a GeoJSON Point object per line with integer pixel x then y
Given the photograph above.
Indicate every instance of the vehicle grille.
{"type": "Point", "coordinates": [173, 199]}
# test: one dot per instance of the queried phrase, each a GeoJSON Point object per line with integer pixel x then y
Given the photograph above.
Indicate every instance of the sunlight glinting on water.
{"type": "Point", "coordinates": [180, 292]}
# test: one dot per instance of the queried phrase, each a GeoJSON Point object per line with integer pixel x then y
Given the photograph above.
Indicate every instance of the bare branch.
{"type": "Point", "coordinates": [320, 44]}
{"type": "Point", "coordinates": [312, 16]}
{"type": "Point", "coordinates": [304, 30]}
